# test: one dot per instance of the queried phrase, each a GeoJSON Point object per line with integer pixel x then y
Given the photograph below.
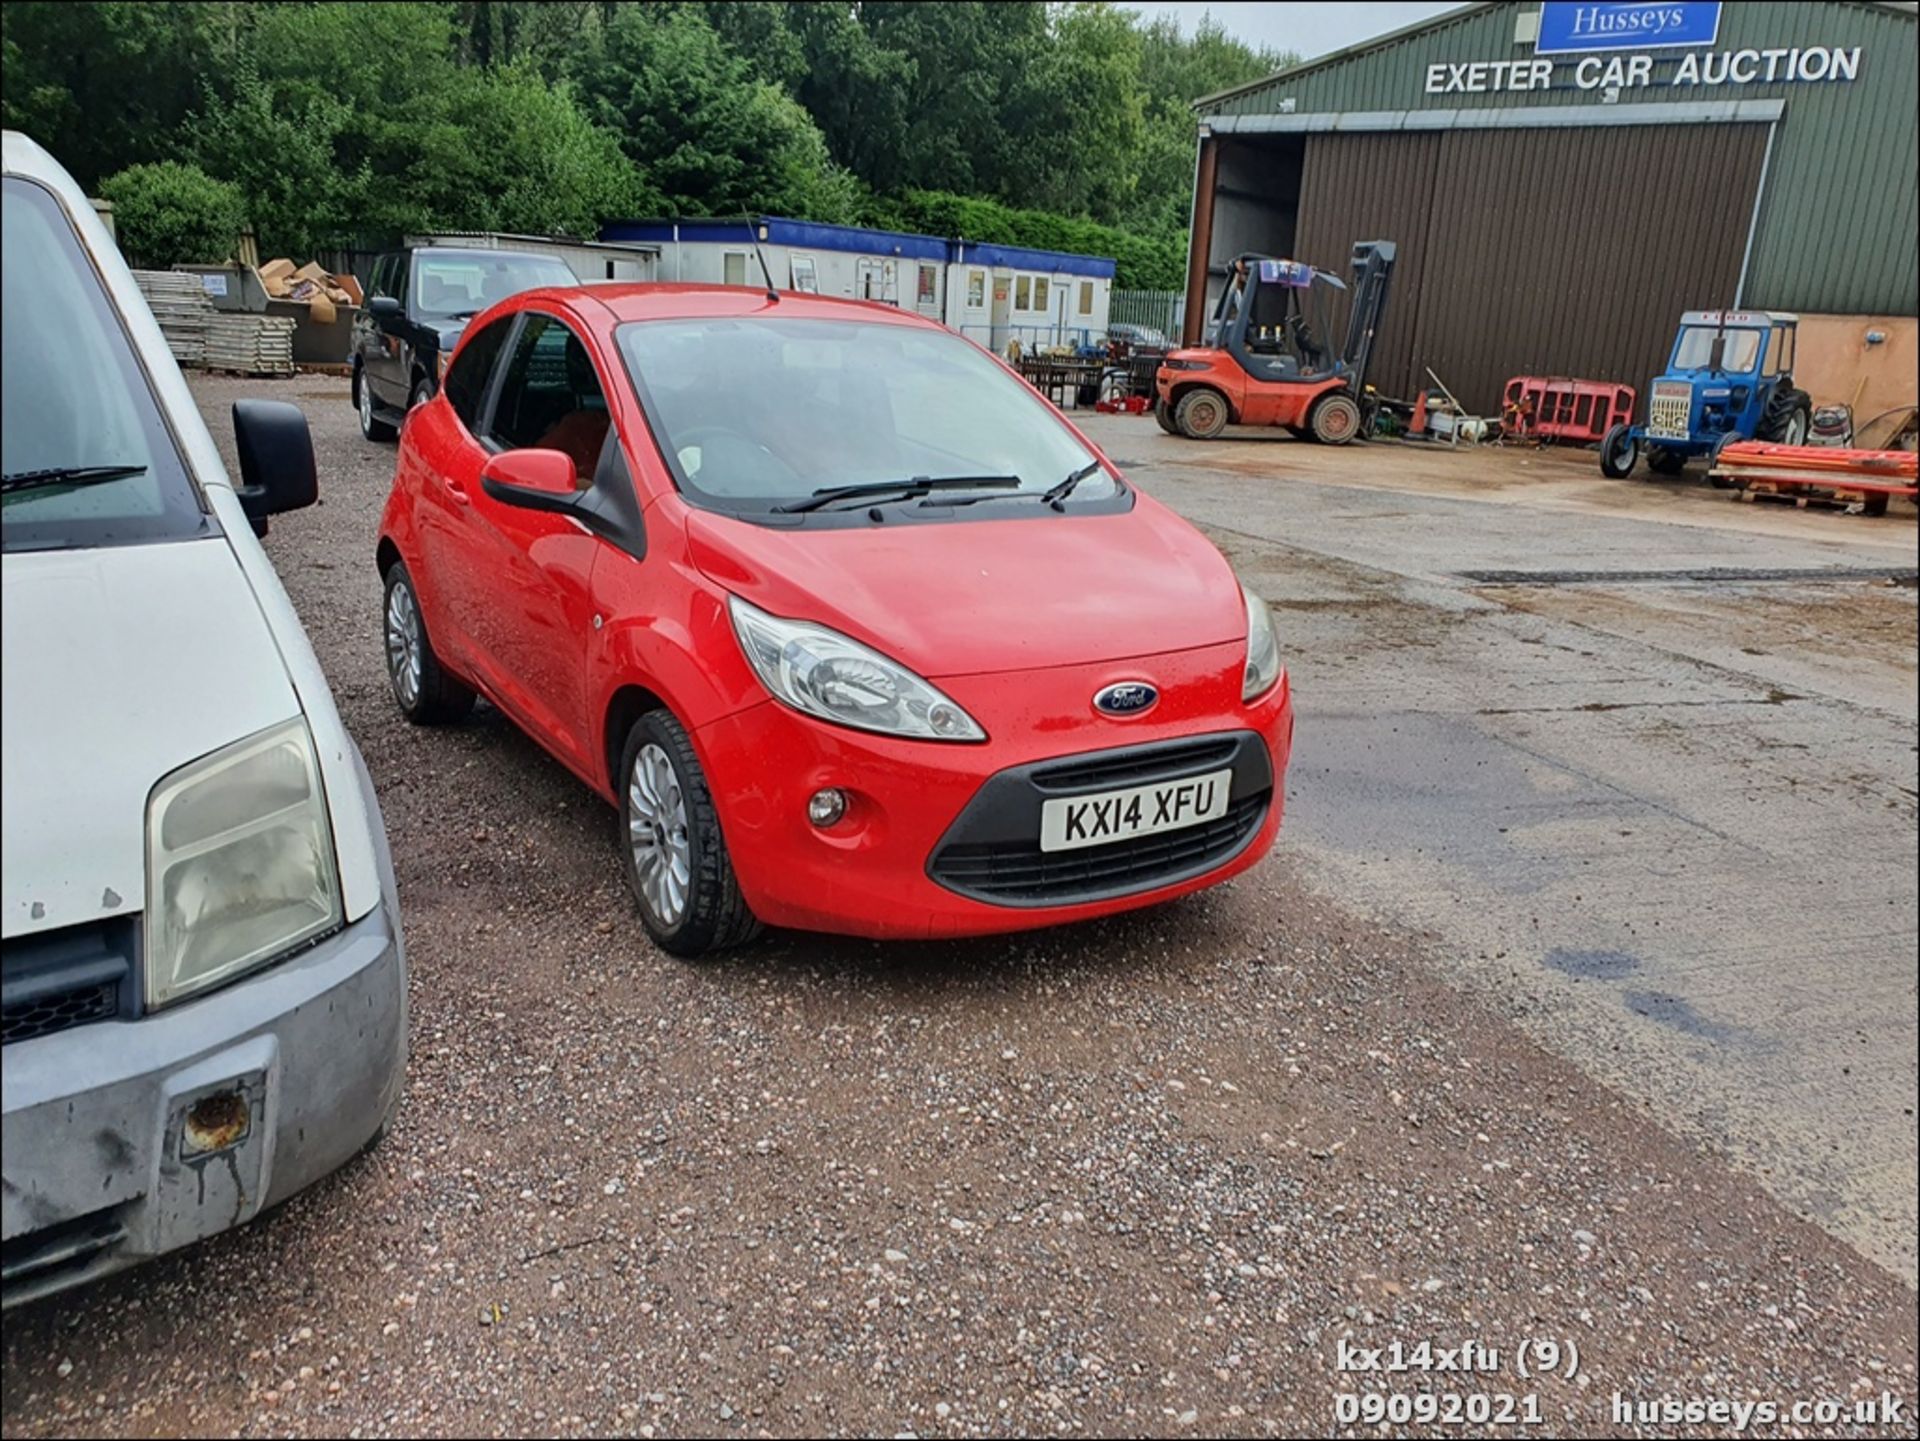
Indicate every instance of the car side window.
{"type": "Point", "coordinates": [383, 275]}
{"type": "Point", "coordinates": [551, 397]}
{"type": "Point", "coordinates": [467, 379]}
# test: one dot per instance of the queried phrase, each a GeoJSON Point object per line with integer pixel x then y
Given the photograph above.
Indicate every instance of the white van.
{"type": "Point", "coordinates": [202, 980]}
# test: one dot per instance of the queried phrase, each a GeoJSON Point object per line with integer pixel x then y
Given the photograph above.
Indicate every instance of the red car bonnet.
{"type": "Point", "coordinates": [968, 597]}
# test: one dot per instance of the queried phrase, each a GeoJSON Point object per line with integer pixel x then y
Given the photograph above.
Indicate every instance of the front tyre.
{"type": "Point", "coordinates": [421, 687]}
{"type": "Point", "coordinates": [371, 425]}
{"type": "Point", "coordinates": [1163, 416]}
{"type": "Point", "coordinates": [1619, 453]}
{"type": "Point", "coordinates": [676, 858]}
{"type": "Point", "coordinates": [1335, 418]}
{"type": "Point", "coordinates": [1202, 413]}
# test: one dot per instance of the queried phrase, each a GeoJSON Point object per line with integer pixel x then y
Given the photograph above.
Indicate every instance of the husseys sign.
{"type": "Point", "coordinates": [1584, 26]}
{"type": "Point", "coordinates": [1570, 28]}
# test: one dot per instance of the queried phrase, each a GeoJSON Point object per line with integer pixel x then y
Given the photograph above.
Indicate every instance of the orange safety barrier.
{"type": "Point", "coordinates": [1557, 407]}
{"type": "Point", "coordinates": [1889, 472]}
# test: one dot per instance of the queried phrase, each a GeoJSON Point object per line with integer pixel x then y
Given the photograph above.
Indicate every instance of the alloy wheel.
{"type": "Point", "coordinates": [657, 831]}
{"type": "Point", "coordinates": [404, 643]}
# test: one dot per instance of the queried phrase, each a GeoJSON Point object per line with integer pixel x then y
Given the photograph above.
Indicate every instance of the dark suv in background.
{"type": "Point", "coordinates": [418, 302]}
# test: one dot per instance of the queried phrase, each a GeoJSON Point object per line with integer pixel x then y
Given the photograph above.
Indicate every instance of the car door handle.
{"type": "Point", "coordinates": [457, 490]}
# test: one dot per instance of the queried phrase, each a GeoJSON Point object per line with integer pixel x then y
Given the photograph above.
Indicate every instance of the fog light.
{"type": "Point", "coordinates": [216, 1122]}
{"type": "Point", "coordinates": [827, 806]}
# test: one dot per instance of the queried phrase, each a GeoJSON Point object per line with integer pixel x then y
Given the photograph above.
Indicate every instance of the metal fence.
{"type": "Point", "coordinates": [1161, 309]}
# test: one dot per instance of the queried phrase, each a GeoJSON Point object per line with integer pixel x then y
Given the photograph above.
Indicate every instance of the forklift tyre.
{"type": "Point", "coordinates": [1662, 461]}
{"type": "Point", "coordinates": [1202, 413]}
{"type": "Point", "coordinates": [1163, 413]}
{"type": "Point", "coordinates": [1334, 419]}
{"type": "Point", "coordinates": [1619, 453]}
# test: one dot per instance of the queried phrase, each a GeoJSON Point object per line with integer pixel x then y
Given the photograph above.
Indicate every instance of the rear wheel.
{"type": "Point", "coordinates": [422, 689]}
{"type": "Point", "coordinates": [1335, 418]}
{"type": "Point", "coordinates": [371, 425]}
{"type": "Point", "coordinates": [1619, 453]}
{"type": "Point", "coordinates": [1163, 413]}
{"type": "Point", "coordinates": [1202, 413]}
{"type": "Point", "coordinates": [1662, 461]}
{"type": "Point", "coordinates": [1787, 417]}
{"type": "Point", "coordinates": [676, 858]}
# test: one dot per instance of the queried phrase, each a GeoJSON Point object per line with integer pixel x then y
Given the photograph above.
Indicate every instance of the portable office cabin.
{"type": "Point", "coordinates": [994, 294]}
{"type": "Point", "coordinates": [1564, 179]}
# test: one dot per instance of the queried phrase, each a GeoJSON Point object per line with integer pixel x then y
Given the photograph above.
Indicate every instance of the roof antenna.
{"type": "Point", "coordinates": [753, 234]}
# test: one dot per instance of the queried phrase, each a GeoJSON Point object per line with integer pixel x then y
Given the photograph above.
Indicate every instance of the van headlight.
{"type": "Point", "coordinates": [1263, 649]}
{"type": "Point", "coordinates": [834, 677]}
{"type": "Point", "coordinates": [240, 863]}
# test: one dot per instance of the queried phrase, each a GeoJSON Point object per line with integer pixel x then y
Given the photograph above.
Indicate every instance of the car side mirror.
{"type": "Point", "coordinates": [383, 308]}
{"type": "Point", "coordinates": [531, 479]}
{"type": "Point", "coordinates": [277, 472]}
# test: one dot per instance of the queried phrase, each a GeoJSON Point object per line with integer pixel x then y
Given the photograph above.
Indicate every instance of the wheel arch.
{"type": "Point", "coordinates": [624, 707]}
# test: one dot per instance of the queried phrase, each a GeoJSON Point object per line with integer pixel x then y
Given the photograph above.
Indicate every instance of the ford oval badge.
{"type": "Point", "coordinates": [1128, 697]}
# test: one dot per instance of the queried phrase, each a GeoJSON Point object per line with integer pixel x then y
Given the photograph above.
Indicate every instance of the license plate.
{"type": "Point", "coordinates": [1098, 820]}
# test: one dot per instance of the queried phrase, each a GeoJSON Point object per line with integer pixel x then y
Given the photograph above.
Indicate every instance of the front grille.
{"type": "Point", "coordinates": [1025, 874]}
{"type": "Point", "coordinates": [33, 1259]}
{"type": "Point", "coordinates": [55, 980]}
{"type": "Point", "coordinates": [47, 1014]}
{"type": "Point", "coordinates": [1137, 765]}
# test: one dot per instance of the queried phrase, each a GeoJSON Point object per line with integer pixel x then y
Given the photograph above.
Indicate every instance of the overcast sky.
{"type": "Point", "coordinates": [1311, 29]}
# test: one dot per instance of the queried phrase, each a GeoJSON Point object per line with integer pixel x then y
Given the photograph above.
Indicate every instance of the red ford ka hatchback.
{"type": "Point", "coordinates": [858, 633]}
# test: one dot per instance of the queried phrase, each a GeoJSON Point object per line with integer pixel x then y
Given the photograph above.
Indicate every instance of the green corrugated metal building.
{"type": "Point", "coordinates": [1607, 183]}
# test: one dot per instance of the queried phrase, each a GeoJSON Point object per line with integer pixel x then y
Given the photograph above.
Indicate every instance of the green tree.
{"type": "Point", "coordinates": [104, 85]}
{"type": "Point", "coordinates": [708, 135]}
{"type": "Point", "coordinates": [168, 213]}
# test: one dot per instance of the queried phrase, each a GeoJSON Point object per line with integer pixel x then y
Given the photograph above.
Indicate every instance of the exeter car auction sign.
{"type": "Point", "coordinates": [1570, 27]}
{"type": "Point", "coordinates": [1582, 27]}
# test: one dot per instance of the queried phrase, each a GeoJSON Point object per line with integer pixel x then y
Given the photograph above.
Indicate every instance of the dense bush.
{"type": "Point", "coordinates": [1142, 262]}
{"type": "Point", "coordinates": [170, 213]}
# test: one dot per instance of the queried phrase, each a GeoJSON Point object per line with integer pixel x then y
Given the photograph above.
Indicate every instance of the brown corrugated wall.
{"type": "Point", "coordinates": [1567, 251]}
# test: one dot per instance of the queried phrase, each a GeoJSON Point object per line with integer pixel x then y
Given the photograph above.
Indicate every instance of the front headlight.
{"type": "Point", "coordinates": [834, 677]}
{"type": "Point", "coordinates": [1263, 649]}
{"type": "Point", "coordinates": [240, 864]}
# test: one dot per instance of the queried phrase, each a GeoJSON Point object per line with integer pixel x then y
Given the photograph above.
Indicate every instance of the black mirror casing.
{"type": "Point", "coordinates": [277, 470]}
{"type": "Point", "coordinates": [383, 308]}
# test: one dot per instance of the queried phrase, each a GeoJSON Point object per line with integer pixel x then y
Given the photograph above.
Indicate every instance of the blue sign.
{"type": "Point", "coordinates": [1570, 26]}
{"type": "Point", "coordinates": [1286, 272]}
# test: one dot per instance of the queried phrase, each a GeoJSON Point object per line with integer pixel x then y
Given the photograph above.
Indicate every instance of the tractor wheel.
{"type": "Point", "coordinates": [1202, 413]}
{"type": "Point", "coordinates": [1788, 415]}
{"type": "Point", "coordinates": [1619, 453]}
{"type": "Point", "coordinates": [1163, 413]}
{"type": "Point", "coordinates": [1721, 482]}
{"type": "Point", "coordinates": [1662, 461]}
{"type": "Point", "coordinates": [1334, 419]}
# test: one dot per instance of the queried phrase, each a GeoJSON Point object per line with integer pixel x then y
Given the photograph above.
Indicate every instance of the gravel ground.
{"type": "Point", "coordinates": [1136, 1176]}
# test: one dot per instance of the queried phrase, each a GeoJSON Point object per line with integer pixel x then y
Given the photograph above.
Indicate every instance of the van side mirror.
{"type": "Point", "coordinates": [383, 308]}
{"type": "Point", "coordinates": [277, 471]}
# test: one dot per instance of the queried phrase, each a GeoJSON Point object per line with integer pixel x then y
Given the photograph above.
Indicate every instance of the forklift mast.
{"type": "Point", "coordinates": [1372, 270]}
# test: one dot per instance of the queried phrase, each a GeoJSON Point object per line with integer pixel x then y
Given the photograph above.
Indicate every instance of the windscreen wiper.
{"type": "Point", "coordinates": [66, 475]}
{"type": "Point", "coordinates": [899, 489]}
{"type": "Point", "coordinates": [1060, 492]}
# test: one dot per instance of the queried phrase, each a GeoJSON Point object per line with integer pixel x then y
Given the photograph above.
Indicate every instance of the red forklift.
{"type": "Point", "coordinates": [1265, 360]}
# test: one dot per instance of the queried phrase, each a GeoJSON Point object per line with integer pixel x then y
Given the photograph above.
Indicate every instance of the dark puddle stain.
{"type": "Point", "coordinates": [1680, 1014]}
{"type": "Point", "coordinates": [1592, 965]}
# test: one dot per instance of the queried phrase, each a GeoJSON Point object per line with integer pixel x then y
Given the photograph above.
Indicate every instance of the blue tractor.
{"type": "Point", "coordinates": [1730, 378]}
